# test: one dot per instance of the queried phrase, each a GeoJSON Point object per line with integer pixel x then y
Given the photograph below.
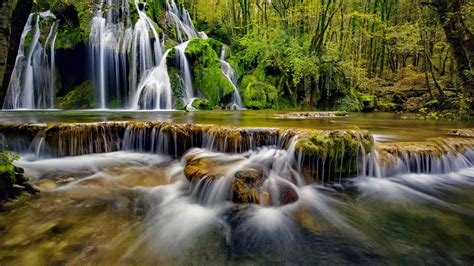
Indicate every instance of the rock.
{"type": "Point", "coordinates": [198, 169]}
{"type": "Point", "coordinates": [286, 194]}
{"type": "Point", "coordinates": [245, 186]}
{"type": "Point", "coordinates": [46, 184]}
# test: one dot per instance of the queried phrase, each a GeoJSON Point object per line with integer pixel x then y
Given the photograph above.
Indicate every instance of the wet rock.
{"type": "Point", "coordinates": [244, 186]}
{"type": "Point", "coordinates": [199, 168]}
{"type": "Point", "coordinates": [247, 187]}
{"type": "Point", "coordinates": [286, 194]}
{"type": "Point", "coordinates": [46, 184]}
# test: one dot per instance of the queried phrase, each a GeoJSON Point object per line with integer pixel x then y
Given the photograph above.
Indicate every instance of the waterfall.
{"type": "Point", "coordinates": [119, 50]}
{"type": "Point", "coordinates": [183, 23]}
{"type": "Point", "coordinates": [154, 91]}
{"type": "Point", "coordinates": [31, 85]}
{"type": "Point", "coordinates": [230, 74]}
{"type": "Point", "coordinates": [185, 70]}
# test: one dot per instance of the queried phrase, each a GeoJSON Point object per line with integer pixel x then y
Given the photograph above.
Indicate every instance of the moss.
{"type": "Point", "coordinates": [208, 77]}
{"type": "Point", "coordinates": [369, 102]}
{"type": "Point", "coordinates": [13, 183]}
{"type": "Point", "coordinates": [177, 88]}
{"type": "Point", "coordinates": [202, 104]}
{"type": "Point", "coordinates": [259, 95]}
{"type": "Point", "coordinates": [74, 20]}
{"type": "Point", "coordinates": [334, 144]}
{"type": "Point", "coordinates": [79, 98]}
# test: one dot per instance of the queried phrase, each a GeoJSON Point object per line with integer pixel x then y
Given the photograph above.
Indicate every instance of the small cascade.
{"type": "Point", "coordinates": [182, 21]}
{"type": "Point", "coordinates": [435, 157]}
{"type": "Point", "coordinates": [154, 91]}
{"type": "Point", "coordinates": [324, 157]}
{"type": "Point", "coordinates": [230, 74]}
{"type": "Point", "coordinates": [185, 69]}
{"type": "Point", "coordinates": [32, 83]}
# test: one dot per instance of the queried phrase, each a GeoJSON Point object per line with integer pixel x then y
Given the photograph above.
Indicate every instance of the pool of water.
{"type": "Point", "coordinates": [138, 209]}
{"type": "Point", "coordinates": [385, 126]}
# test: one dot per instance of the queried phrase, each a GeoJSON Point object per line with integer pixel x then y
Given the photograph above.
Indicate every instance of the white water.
{"type": "Point", "coordinates": [154, 91]}
{"type": "Point", "coordinates": [183, 23]}
{"type": "Point", "coordinates": [230, 74]}
{"type": "Point", "coordinates": [118, 49]}
{"type": "Point", "coordinates": [32, 83]}
{"type": "Point", "coordinates": [185, 70]}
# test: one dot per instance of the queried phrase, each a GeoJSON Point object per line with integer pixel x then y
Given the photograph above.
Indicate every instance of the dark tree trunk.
{"type": "Point", "coordinates": [18, 19]}
{"type": "Point", "coordinates": [460, 40]}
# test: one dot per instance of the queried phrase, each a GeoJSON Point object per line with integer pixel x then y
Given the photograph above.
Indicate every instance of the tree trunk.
{"type": "Point", "coordinates": [460, 40]}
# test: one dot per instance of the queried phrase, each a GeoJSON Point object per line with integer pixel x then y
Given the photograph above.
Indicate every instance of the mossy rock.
{"type": "Point", "coordinates": [208, 77]}
{"type": "Point", "coordinates": [13, 183]}
{"type": "Point", "coordinates": [177, 88]}
{"type": "Point", "coordinates": [201, 104]}
{"type": "Point", "coordinates": [369, 102]}
{"type": "Point", "coordinates": [259, 95]}
{"type": "Point", "coordinates": [74, 20]}
{"type": "Point", "coordinates": [334, 144]}
{"type": "Point", "coordinates": [80, 97]}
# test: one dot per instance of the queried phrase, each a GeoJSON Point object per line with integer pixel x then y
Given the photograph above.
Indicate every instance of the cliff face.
{"type": "Point", "coordinates": [12, 20]}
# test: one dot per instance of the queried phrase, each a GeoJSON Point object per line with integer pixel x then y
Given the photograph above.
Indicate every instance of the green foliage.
{"type": "Point", "coordinates": [12, 181]}
{"type": "Point", "coordinates": [258, 95]}
{"type": "Point", "coordinates": [80, 97]}
{"type": "Point", "coordinates": [202, 104]}
{"type": "Point", "coordinates": [208, 77]}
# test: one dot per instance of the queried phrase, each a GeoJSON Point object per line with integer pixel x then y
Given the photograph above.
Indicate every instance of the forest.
{"type": "Point", "coordinates": [383, 55]}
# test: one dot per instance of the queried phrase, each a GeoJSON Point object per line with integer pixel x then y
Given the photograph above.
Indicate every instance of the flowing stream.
{"type": "Point", "coordinates": [129, 193]}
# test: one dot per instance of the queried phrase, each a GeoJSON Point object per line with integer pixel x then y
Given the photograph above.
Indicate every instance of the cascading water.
{"type": "Point", "coordinates": [230, 74]}
{"type": "Point", "coordinates": [183, 23]}
{"type": "Point", "coordinates": [154, 91]}
{"type": "Point", "coordinates": [32, 84]}
{"type": "Point", "coordinates": [118, 50]}
{"type": "Point", "coordinates": [185, 70]}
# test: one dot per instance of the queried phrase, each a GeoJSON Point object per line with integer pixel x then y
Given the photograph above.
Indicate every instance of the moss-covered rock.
{"type": "Point", "coordinates": [201, 104]}
{"type": "Point", "coordinates": [259, 95]}
{"type": "Point", "coordinates": [208, 77]}
{"type": "Point", "coordinates": [13, 183]}
{"type": "Point", "coordinates": [74, 20]}
{"type": "Point", "coordinates": [79, 98]}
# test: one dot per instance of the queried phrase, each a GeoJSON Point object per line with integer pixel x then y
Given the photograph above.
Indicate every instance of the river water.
{"type": "Point", "coordinates": [135, 208]}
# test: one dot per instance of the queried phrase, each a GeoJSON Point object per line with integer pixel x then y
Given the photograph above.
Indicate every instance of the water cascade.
{"type": "Point", "coordinates": [32, 84]}
{"type": "Point", "coordinates": [250, 192]}
{"type": "Point", "coordinates": [185, 70]}
{"type": "Point", "coordinates": [183, 23]}
{"type": "Point", "coordinates": [230, 74]}
{"type": "Point", "coordinates": [112, 40]}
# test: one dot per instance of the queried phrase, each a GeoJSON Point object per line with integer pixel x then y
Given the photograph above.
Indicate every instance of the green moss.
{"type": "Point", "coordinates": [259, 95]}
{"type": "Point", "coordinates": [335, 144]}
{"type": "Point", "coordinates": [208, 77]}
{"type": "Point", "coordinates": [79, 98]}
{"type": "Point", "coordinates": [12, 181]}
{"type": "Point", "coordinates": [177, 88]}
{"type": "Point", "coordinates": [202, 104]}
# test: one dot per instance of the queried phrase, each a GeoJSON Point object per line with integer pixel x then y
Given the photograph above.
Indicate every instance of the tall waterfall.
{"type": "Point", "coordinates": [128, 61]}
{"type": "Point", "coordinates": [32, 83]}
{"type": "Point", "coordinates": [230, 74]}
{"type": "Point", "coordinates": [112, 39]}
